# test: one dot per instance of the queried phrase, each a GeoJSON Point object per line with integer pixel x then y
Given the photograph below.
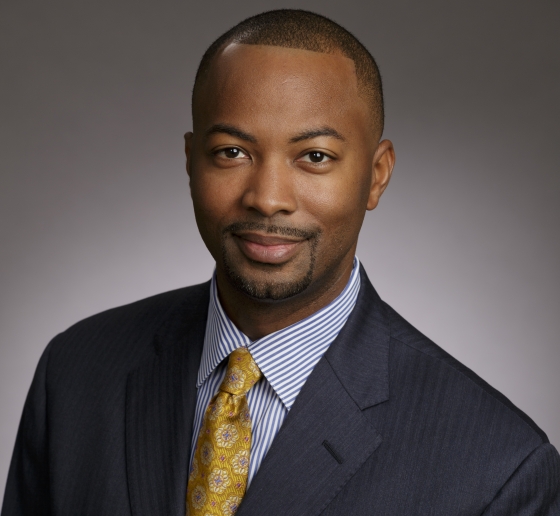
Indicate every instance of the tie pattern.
{"type": "Point", "coordinates": [218, 477]}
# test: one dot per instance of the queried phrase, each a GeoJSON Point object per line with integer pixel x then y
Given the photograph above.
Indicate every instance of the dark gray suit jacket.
{"type": "Point", "coordinates": [387, 424]}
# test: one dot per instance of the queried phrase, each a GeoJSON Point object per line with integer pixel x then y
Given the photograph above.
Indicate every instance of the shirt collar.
{"type": "Point", "coordinates": [286, 357]}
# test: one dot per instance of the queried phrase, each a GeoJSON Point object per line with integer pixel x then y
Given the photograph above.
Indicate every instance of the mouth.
{"type": "Point", "coordinates": [267, 248]}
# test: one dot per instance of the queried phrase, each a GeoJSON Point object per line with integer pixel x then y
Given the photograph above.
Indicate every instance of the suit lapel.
{"type": "Point", "coordinates": [299, 474]}
{"type": "Point", "coordinates": [160, 403]}
{"type": "Point", "coordinates": [326, 436]}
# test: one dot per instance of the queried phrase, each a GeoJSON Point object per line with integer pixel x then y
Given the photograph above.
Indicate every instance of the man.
{"type": "Point", "coordinates": [284, 385]}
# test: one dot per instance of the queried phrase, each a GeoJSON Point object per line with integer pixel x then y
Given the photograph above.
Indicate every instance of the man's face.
{"type": "Point", "coordinates": [282, 164]}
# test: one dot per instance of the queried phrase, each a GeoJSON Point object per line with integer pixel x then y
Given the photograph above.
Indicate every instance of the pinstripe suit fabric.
{"type": "Point", "coordinates": [386, 424]}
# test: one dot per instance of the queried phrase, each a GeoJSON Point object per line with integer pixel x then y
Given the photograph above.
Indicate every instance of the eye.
{"type": "Point", "coordinates": [316, 157]}
{"type": "Point", "coordinates": [231, 153]}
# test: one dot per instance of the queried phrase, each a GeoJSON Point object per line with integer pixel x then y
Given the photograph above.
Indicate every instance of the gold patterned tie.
{"type": "Point", "coordinates": [220, 464]}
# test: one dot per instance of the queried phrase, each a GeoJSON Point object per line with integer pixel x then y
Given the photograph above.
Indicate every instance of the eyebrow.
{"type": "Point", "coordinates": [232, 131]}
{"type": "Point", "coordinates": [314, 133]}
{"type": "Point", "coordinates": [305, 135]}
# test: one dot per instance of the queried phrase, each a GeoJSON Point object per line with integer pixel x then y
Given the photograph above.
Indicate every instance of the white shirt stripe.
{"type": "Point", "coordinates": [286, 359]}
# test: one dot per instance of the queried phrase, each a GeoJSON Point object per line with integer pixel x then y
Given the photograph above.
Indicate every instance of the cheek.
{"type": "Point", "coordinates": [213, 202]}
{"type": "Point", "coordinates": [215, 193]}
{"type": "Point", "coordinates": [338, 202]}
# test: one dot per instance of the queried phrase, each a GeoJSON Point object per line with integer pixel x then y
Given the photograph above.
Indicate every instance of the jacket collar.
{"type": "Point", "coordinates": [360, 355]}
{"type": "Point", "coordinates": [160, 403]}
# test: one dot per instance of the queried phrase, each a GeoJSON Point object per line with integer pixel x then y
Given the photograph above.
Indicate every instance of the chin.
{"type": "Point", "coordinates": [272, 285]}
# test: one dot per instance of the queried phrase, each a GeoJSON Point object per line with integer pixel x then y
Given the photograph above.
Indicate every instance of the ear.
{"type": "Point", "coordinates": [382, 168]}
{"type": "Point", "coordinates": [188, 148]}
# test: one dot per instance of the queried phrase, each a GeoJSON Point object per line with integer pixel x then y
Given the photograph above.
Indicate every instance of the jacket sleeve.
{"type": "Point", "coordinates": [533, 489]}
{"type": "Point", "coordinates": [27, 488]}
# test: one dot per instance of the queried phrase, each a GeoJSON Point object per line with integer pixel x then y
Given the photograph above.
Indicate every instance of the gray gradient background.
{"type": "Point", "coordinates": [95, 209]}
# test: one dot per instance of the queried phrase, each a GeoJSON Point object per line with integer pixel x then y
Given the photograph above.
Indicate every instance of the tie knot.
{"type": "Point", "coordinates": [242, 372]}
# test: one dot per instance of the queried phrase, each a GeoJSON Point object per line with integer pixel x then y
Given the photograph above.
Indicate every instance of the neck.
{"type": "Point", "coordinates": [257, 318]}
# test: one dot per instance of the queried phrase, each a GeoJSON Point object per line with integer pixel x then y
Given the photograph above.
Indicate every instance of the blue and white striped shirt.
{"type": "Point", "coordinates": [286, 359]}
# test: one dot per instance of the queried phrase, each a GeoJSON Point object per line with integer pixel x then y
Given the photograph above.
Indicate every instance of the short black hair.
{"type": "Point", "coordinates": [296, 28]}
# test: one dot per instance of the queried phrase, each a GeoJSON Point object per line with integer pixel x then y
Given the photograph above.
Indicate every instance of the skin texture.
{"type": "Point", "coordinates": [283, 164]}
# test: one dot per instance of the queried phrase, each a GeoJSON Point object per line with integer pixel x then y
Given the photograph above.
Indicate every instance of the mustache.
{"type": "Point", "coordinates": [304, 233]}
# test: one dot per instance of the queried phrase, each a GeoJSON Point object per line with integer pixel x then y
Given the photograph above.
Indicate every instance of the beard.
{"type": "Point", "coordinates": [270, 288]}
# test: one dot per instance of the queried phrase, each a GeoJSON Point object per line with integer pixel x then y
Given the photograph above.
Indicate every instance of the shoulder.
{"type": "Point", "coordinates": [145, 313]}
{"type": "Point", "coordinates": [443, 415]}
{"type": "Point", "coordinates": [472, 396]}
{"type": "Point", "coordinates": [114, 341]}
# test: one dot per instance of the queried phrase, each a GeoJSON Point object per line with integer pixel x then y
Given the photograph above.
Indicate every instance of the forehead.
{"type": "Point", "coordinates": [280, 85]}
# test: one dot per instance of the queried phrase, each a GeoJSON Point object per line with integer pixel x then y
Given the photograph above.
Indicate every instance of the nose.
{"type": "Point", "coordinates": [270, 189]}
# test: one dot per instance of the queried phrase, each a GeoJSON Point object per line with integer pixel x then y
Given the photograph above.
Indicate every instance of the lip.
{"type": "Point", "coordinates": [273, 249]}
